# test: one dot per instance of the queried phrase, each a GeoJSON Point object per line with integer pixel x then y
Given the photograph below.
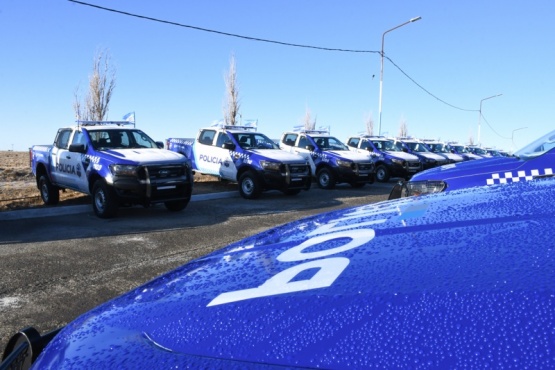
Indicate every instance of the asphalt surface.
{"type": "Point", "coordinates": [57, 263]}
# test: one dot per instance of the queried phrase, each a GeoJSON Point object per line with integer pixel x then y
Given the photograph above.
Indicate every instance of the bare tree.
{"type": "Point", "coordinates": [403, 129]}
{"type": "Point", "coordinates": [231, 106]}
{"type": "Point", "coordinates": [102, 82]}
{"type": "Point", "coordinates": [370, 125]}
{"type": "Point", "coordinates": [471, 140]}
{"type": "Point", "coordinates": [309, 124]}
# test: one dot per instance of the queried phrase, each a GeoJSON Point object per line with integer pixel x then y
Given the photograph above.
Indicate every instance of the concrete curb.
{"type": "Point", "coordinates": [70, 210]}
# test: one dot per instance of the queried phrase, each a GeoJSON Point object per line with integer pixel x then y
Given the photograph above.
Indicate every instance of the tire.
{"type": "Point", "coordinates": [176, 205]}
{"type": "Point", "coordinates": [49, 193]}
{"type": "Point", "coordinates": [382, 173]}
{"type": "Point", "coordinates": [104, 200]}
{"type": "Point", "coordinates": [326, 179]}
{"type": "Point", "coordinates": [249, 186]}
{"type": "Point", "coordinates": [291, 191]}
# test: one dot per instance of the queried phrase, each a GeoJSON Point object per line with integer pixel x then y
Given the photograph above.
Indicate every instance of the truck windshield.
{"type": "Point", "coordinates": [253, 140]}
{"type": "Point", "coordinates": [120, 139]}
{"type": "Point", "coordinates": [537, 147]}
{"type": "Point", "coordinates": [418, 147]}
{"type": "Point", "coordinates": [460, 149]}
{"type": "Point", "coordinates": [329, 143]}
{"type": "Point", "coordinates": [386, 145]}
{"type": "Point", "coordinates": [439, 148]}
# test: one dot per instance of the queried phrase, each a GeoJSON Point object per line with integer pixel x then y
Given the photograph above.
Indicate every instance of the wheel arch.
{"type": "Point", "coordinates": [41, 170]}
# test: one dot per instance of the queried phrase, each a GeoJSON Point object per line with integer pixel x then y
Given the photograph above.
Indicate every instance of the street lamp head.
{"type": "Point", "coordinates": [415, 19]}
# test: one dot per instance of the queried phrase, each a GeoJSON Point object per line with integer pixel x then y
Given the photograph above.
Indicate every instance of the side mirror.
{"type": "Point", "coordinates": [310, 147]}
{"type": "Point", "coordinates": [370, 149]}
{"type": "Point", "coordinates": [228, 145]}
{"type": "Point", "coordinates": [160, 145]}
{"type": "Point", "coordinates": [78, 148]}
{"type": "Point", "coordinates": [399, 191]}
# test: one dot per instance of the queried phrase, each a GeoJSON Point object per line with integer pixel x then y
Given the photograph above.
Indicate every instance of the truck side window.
{"type": "Point", "coordinates": [303, 142]}
{"type": "Point", "coordinates": [79, 138]}
{"type": "Point", "coordinates": [290, 139]}
{"type": "Point", "coordinates": [222, 138]}
{"type": "Point", "coordinates": [62, 141]}
{"type": "Point", "coordinates": [207, 137]}
{"type": "Point", "coordinates": [354, 143]}
{"type": "Point", "coordinates": [366, 145]}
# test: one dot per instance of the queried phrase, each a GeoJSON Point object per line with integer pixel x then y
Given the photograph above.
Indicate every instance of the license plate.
{"type": "Point", "coordinates": [166, 187]}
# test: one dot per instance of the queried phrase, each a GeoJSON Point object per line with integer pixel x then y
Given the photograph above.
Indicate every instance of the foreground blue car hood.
{"type": "Point", "coordinates": [489, 171]}
{"type": "Point", "coordinates": [450, 280]}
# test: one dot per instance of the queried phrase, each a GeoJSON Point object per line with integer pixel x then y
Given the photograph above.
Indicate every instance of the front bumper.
{"type": "Point", "coordinates": [357, 173]}
{"type": "Point", "coordinates": [289, 177]}
{"type": "Point", "coordinates": [155, 184]}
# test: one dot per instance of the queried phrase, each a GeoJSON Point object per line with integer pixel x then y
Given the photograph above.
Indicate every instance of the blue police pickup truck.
{"type": "Point", "coordinates": [331, 161]}
{"type": "Point", "coordinates": [533, 161]}
{"type": "Point", "coordinates": [443, 149]}
{"type": "Point", "coordinates": [421, 150]}
{"type": "Point", "coordinates": [463, 280]}
{"type": "Point", "coordinates": [243, 155]}
{"type": "Point", "coordinates": [389, 158]}
{"type": "Point", "coordinates": [462, 150]}
{"type": "Point", "coordinates": [113, 162]}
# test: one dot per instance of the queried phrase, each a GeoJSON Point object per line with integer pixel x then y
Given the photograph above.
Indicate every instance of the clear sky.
{"type": "Point", "coordinates": [437, 71]}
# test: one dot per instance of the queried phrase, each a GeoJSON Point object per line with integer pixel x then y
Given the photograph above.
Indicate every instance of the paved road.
{"type": "Point", "coordinates": [55, 266]}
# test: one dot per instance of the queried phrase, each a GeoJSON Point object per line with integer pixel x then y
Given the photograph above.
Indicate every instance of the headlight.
{"type": "Point", "coordinates": [343, 163]}
{"type": "Point", "coordinates": [400, 162]}
{"type": "Point", "coordinates": [123, 170]}
{"type": "Point", "coordinates": [425, 187]}
{"type": "Point", "coordinates": [272, 166]}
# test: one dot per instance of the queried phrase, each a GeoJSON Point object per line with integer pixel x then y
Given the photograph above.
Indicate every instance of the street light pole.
{"type": "Point", "coordinates": [480, 114]}
{"type": "Point", "coordinates": [381, 69]}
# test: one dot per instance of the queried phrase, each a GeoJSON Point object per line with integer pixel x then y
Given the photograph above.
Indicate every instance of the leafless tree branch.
{"type": "Point", "coordinates": [231, 106]}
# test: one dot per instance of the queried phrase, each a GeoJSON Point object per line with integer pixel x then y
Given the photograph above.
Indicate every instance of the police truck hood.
{"type": "Point", "coordinates": [144, 155]}
{"type": "Point", "coordinates": [280, 155]}
{"type": "Point", "coordinates": [453, 280]}
{"type": "Point", "coordinates": [403, 155]}
{"type": "Point", "coordinates": [469, 168]}
{"type": "Point", "coordinates": [347, 154]}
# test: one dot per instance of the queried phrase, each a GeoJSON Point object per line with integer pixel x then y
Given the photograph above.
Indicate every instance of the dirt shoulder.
{"type": "Point", "coordinates": [18, 189]}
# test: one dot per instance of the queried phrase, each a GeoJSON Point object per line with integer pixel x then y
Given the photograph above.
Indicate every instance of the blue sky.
{"type": "Point", "coordinates": [172, 77]}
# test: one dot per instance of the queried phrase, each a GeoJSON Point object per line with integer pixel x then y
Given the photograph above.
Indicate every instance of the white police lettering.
{"type": "Point", "coordinates": [329, 268]}
{"type": "Point", "coordinates": [357, 238]}
{"type": "Point", "coordinates": [206, 158]}
{"type": "Point", "coordinates": [66, 168]}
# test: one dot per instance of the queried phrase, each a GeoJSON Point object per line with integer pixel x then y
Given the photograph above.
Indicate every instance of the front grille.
{"type": "Point", "coordinates": [298, 169]}
{"type": "Point", "coordinates": [413, 164]}
{"type": "Point", "coordinates": [365, 167]}
{"type": "Point", "coordinates": [161, 173]}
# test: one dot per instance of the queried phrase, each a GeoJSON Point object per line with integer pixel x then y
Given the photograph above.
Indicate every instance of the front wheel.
{"type": "Point", "coordinates": [249, 186]}
{"type": "Point", "coordinates": [104, 200]}
{"type": "Point", "coordinates": [49, 193]}
{"type": "Point", "coordinates": [382, 174]}
{"type": "Point", "coordinates": [326, 178]}
{"type": "Point", "coordinates": [176, 205]}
